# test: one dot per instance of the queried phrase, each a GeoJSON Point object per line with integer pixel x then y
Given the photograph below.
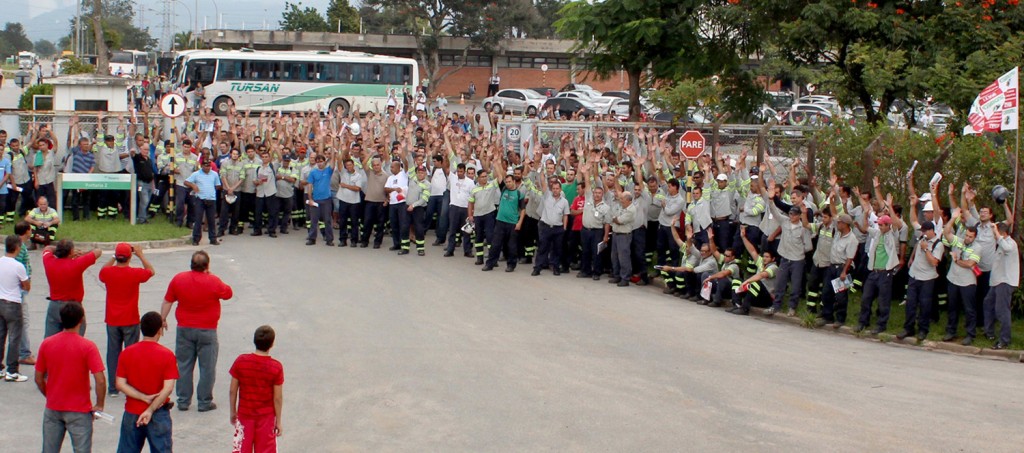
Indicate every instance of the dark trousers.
{"type": "Point", "coordinates": [756, 237]}
{"type": "Point", "coordinates": [399, 225]}
{"type": "Point", "coordinates": [815, 287]}
{"type": "Point", "coordinates": [492, 89]}
{"type": "Point", "coordinates": [757, 295]}
{"type": "Point", "coordinates": [229, 215]}
{"type": "Point", "coordinates": [284, 212]}
{"type": "Point", "coordinates": [724, 234]}
{"type": "Point", "coordinates": [548, 245]}
{"type": "Point", "coordinates": [248, 206]}
{"type": "Point", "coordinates": [791, 273]}
{"type": "Point", "coordinates": [118, 338]}
{"type": "Point", "coordinates": [349, 220]}
{"type": "Point", "coordinates": [267, 206]}
{"type": "Point", "coordinates": [589, 262]}
{"type": "Point", "coordinates": [962, 297]}
{"type": "Point", "coordinates": [484, 231]}
{"type": "Point", "coordinates": [571, 251]}
{"type": "Point", "coordinates": [528, 237]}
{"type": "Point", "coordinates": [202, 208]}
{"type": "Point", "coordinates": [78, 200]}
{"type": "Point", "coordinates": [321, 213]}
{"type": "Point", "coordinates": [52, 324]}
{"type": "Point", "coordinates": [28, 199]}
{"type": "Point", "coordinates": [418, 218]}
{"type": "Point", "coordinates": [919, 306]}
{"type": "Point", "coordinates": [106, 204]}
{"type": "Point", "coordinates": [50, 192]}
{"type": "Point", "coordinates": [457, 218]}
{"type": "Point", "coordinates": [668, 253]}
{"type": "Point", "coordinates": [638, 251]}
{"type": "Point", "coordinates": [997, 308]}
{"type": "Point", "coordinates": [437, 214]}
{"type": "Point", "coordinates": [11, 330]}
{"type": "Point", "coordinates": [878, 285]}
{"type": "Point", "coordinates": [374, 216]}
{"type": "Point", "coordinates": [622, 266]}
{"type": "Point", "coordinates": [982, 293]}
{"type": "Point", "coordinates": [505, 236]}
{"type": "Point", "coordinates": [833, 304]}
{"type": "Point", "coordinates": [181, 196]}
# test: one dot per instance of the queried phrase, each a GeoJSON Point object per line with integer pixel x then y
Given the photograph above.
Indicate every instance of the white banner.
{"type": "Point", "coordinates": [997, 108]}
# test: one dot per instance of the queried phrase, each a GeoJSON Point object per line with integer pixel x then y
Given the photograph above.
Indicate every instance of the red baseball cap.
{"type": "Point", "coordinates": [123, 250]}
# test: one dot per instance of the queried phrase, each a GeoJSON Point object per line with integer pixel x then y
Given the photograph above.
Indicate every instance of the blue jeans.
{"type": "Point", "coordinates": [26, 346]}
{"type": "Point", "coordinates": [118, 338]}
{"type": "Point", "coordinates": [157, 433]}
{"type": "Point", "coordinates": [193, 345]}
{"type": "Point", "coordinates": [77, 424]}
{"type": "Point", "coordinates": [10, 330]}
{"type": "Point", "coordinates": [144, 195]}
{"type": "Point", "coordinates": [52, 326]}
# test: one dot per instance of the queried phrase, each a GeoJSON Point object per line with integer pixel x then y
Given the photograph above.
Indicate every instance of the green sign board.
{"type": "Point", "coordinates": [97, 181]}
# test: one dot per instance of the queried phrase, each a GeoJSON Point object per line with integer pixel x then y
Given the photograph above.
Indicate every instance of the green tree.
{"type": "Point", "coordinates": [478, 20]}
{"type": "Point", "coordinates": [547, 12]}
{"type": "Point", "coordinates": [665, 40]}
{"type": "Point", "coordinates": [13, 39]}
{"type": "Point", "coordinates": [297, 18]}
{"type": "Point", "coordinates": [384, 20]}
{"type": "Point", "coordinates": [117, 22]}
{"type": "Point", "coordinates": [348, 16]}
{"type": "Point", "coordinates": [75, 65]}
{"type": "Point", "coordinates": [45, 48]}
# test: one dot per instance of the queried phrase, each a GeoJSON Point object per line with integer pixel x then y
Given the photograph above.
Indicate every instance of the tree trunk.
{"type": "Point", "coordinates": [634, 93]}
{"type": "Point", "coordinates": [812, 159]}
{"type": "Point", "coordinates": [102, 60]}
{"type": "Point", "coordinates": [868, 162]}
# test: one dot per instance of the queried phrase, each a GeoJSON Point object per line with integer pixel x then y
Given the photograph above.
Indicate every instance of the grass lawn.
{"type": "Point", "coordinates": [117, 230]}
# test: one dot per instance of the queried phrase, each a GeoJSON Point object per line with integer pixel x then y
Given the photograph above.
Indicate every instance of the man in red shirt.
{"type": "Point", "coordinates": [62, 374]}
{"type": "Point", "coordinates": [64, 267]}
{"type": "Point", "coordinates": [198, 293]}
{"type": "Point", "coordinates": [257, 397]}
{"type": "Point", "coordinates": [122, 282]}
{"type": "Point", "coordinates": [146, 374]}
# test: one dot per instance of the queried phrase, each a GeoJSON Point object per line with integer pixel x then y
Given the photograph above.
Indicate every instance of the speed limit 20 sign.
{"type": "Point", "coordinates": [513, 134]}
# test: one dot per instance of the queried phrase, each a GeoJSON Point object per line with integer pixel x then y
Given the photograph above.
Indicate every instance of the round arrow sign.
{"type": "Point", "coordinates": [172, 105]}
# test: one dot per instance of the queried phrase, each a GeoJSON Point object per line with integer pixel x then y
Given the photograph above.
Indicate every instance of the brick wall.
{"type": "Point", "coordinates": [458, 82]}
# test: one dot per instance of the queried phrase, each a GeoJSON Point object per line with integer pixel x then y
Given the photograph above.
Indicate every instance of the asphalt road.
{"type": "Point", "coordinates": [387, 353]}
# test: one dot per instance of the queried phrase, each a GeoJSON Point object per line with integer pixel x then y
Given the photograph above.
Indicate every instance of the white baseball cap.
{"type": "Point", "coordinates": [926, 197]}
{"type": "Point", "coordinates": [928, 206]}
{"type": "Point", "coordinates": [722, 177]}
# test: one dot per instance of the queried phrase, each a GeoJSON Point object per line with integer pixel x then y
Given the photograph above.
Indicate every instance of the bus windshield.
{"type": "Point", "coordinates": [121, 58]}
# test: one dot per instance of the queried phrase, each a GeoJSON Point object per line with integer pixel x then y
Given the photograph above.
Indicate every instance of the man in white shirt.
{"type": "Point", "coordinates": [13, 280]}
{"type": "Point", "coordinates": [460, 187]}
{"type": "Point", "coordinates": [352, 181]}
{"type": "Point", "coordinates": [396, 187]}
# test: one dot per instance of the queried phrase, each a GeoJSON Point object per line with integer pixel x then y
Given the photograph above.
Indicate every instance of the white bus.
{"type": "Point", "coordinates": [26, 60]}
{"type": "Point", "coordinates": [129, 63]}
{"type": "Point", "coordinates": [292, 80]}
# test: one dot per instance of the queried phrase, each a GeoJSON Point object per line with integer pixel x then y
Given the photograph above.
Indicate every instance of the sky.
{"type": "Point", "coordinates": [48, 19]}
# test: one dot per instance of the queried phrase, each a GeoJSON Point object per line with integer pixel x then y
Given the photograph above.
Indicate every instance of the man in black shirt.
{"type": "Point", "coordinates": [144, 173]}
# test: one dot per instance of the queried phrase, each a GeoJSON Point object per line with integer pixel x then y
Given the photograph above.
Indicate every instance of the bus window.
{"type": "Point", "coordinates": [265, 70]}
{"type": "Point", "coordinates": [230, 70]}
{"type": "Point", "coordinates": [201, 71]}
{"type": "Point", "coordinates": [361, 73]}
{"type": "Point", "coordinates": [406, 74]}
{"type": "Point", "coordinates": [328, 72]}
{"type": "Point", "coordinates": [395, 74]}
{"type": "Point", "coordinates": [377, 73]}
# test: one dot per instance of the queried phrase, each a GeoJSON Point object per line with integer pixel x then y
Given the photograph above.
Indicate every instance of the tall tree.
{"type": "Point", "coordinates": [384, 20]}
{"type": "Point", "coordinates": [13, 39]}
{"type": "Point", "coordinates": [44, 48]}
{"type": "Point", "coordinates": [340, 11]}
{"type": "Point", "coordinates": [547, 12]}
{"type": "Point", "coordinates": [667, 39]}
{"type": "Point", "coordinates": [102, 59]}
{"type": "Point", "coordinates": [118, 24]}
{"type": "Point", "coordinates": [430, 21]}
{"type": "Point", "coordinates": [297, 18]}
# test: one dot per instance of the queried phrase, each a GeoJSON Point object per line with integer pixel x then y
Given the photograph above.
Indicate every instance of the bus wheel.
{"type": "Point", "coordinates": [339, 103]}
{"type": "Point", "coordinates": [221, 106]}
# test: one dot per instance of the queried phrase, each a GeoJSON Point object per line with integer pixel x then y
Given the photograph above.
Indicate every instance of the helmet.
{"type": "Point", "coordinates": [1000, 194]}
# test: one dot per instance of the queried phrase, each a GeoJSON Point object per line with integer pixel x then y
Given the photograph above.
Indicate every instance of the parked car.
{"type": "Point", "coordinates": [514, 100]}
{"type": "Point", "coordinates": [695, 117]}
{"type": "Point", "coordinates": [618, 94]}
{"type": "Point", "coordinates": [603, 102]}
{"type": "Point", "coordinates": [566, 107]}
{"type": "Point", "coordinates": [545, 91]}
{"type": "Point", "coordinates": [579, 87]}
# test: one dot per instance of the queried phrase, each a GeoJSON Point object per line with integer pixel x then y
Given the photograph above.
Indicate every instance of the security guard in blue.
{"type": "Point", "coordinates": [204, 183]}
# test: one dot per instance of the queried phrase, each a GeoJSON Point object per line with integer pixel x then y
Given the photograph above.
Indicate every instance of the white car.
{"type": "Point", "coordinates": [514, 100]}
{"type": "Point", "coordinates": [603, 102]}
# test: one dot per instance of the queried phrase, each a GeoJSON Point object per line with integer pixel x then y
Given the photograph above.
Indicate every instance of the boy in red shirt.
{"type": "Point", "coordinates": [122, 282]}
{"type": "Point", "coordinates": [146, 374]}
{"type": "Point", "coordinates": [62, 375]}
{"type": "Point", "coordinates": [258, 379]}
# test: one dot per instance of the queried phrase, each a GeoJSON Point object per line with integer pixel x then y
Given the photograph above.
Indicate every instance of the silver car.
{"type": "Point", "coordinates": [514, 100]}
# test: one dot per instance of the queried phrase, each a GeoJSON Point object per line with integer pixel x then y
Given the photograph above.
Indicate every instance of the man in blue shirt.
{"type": "Point", "coordinates": [204, 184]}
{"type": "Point", "coordinates": [319, 198]}
{"type": "Point", "coordinates": [82, 161]}
{"type": "Point", "coordinates": [5, 179]}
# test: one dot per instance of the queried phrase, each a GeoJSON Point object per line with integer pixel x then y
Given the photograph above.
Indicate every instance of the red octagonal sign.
{"type": "Point", "coordinates": [691, 144]}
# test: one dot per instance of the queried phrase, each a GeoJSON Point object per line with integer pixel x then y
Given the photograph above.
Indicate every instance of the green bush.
{"type": "Point", "coordinates": [26, 98]}
{"type": "Point", "coordinates": [75, 65]}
